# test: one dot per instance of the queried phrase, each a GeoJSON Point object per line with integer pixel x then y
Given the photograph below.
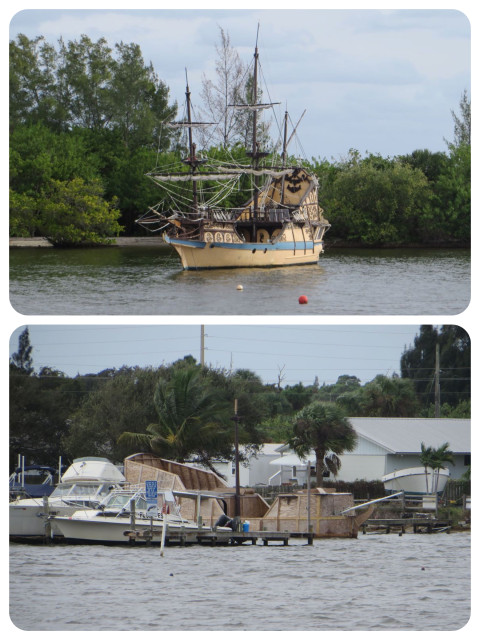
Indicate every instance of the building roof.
{"type": "Point", "coordinates": [270, 448]}
{"type": "Point", "coordinates": [405, 435]}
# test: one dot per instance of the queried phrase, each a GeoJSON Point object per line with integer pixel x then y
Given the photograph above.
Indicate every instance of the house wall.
{"type": "Point", "coordinates": [258, 471]}
{"type": "Point", "coordinates": [261, 469]}
{"type": "Point", "coordinates": [227, 470]}
{"type": "Point", "coordinates": [361, 467]}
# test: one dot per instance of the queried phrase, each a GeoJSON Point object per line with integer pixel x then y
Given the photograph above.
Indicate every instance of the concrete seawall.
{"type": "Point", "coordinates": [118, 242]}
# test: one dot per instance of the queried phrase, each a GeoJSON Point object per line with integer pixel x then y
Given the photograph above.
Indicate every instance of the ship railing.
{"type": "Point", "coordinates": [222, 215]}
{"type": "Point", "coordinates": [267, 214]}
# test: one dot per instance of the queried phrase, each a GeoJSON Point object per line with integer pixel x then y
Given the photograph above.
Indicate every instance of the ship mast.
{"type": "Point", "coordinates": [255, 153]}
{"type": "Point", "coordinates": [192, 159]}
{"type": "Point", "coordinates": [284, 155]}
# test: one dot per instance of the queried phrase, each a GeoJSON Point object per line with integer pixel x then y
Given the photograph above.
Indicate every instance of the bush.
{"type": "Point", "coordinates": [75, 213]}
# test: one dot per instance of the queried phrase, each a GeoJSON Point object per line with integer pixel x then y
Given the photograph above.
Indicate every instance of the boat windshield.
{"type": "Point", "coordinates": [83, 489]}
{"type": "Point", "coordinates": [121, 501]}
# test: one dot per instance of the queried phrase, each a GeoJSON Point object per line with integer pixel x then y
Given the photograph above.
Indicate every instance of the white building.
{"type": "Point", "coordinates": [258, 470]}
{"type": "Point", "coordinates": [384, 445]}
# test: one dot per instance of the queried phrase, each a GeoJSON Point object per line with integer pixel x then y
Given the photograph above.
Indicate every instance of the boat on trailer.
{"type": "Point", "coordinates": [282, 224]}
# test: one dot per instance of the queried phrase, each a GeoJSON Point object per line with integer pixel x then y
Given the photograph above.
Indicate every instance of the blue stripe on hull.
{"type": "Point", "coordinates": [245, 246]}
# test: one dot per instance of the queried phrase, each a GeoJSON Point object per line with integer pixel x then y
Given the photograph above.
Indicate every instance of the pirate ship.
{"type": "Point", "coordinates": [281, 224]}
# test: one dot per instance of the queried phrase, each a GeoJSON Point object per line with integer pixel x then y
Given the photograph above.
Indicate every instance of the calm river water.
{"type": "Point", "coordinates": [377, 582]}
{"type": "Point", "coordinates": [150, 281]}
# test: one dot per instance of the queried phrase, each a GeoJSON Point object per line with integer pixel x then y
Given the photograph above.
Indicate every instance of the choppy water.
{"type": "Point", "coordinates": [377, 582]}
{"type": "Point", "coordinates": [149, 280]}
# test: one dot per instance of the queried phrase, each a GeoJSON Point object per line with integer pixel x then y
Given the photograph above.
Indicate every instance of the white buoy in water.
{"type": "Point", "coordinates": [239, 287]}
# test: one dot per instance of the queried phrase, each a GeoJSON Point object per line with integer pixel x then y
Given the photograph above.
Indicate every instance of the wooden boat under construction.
{"type": "Point", "coordinates": [318, 511]}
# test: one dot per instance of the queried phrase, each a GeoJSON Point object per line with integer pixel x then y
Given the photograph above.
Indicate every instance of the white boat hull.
{"type": "Point", "coordinates": [27, 518]}
{"type": "Point", "coordinates": [102, 529]}
{"type": "Point", "coordinates": [414, 480]}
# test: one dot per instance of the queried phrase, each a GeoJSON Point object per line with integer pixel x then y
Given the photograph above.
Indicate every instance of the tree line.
{"type": "Point", "coordinates": [87, 124]}
{"type": "Point", "coordinates": [185, 411]}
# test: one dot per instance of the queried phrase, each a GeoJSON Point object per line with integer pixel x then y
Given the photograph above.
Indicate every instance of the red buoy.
{"type": "Point", "coordinates": [303, 300]}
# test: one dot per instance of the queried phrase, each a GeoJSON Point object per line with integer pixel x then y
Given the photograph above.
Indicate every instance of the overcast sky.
{"type": "Point", "coordinates": [295, 353]}
{"type": "Point", "coordinates": [379, 81]}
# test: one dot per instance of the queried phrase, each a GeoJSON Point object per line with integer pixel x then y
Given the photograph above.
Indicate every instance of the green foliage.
{"type": "Point", "coordinates": [192, 421]}
{"type": "Point", "coordinates": [323, 427]}
{"type": "Point", "coordinates": [23, 215]}
{"type": "Point", "coordinates": [462, 410]}
{"type": "Point", "coordinates": [418, 364]}
{"type": "Point", "coordinates": [122, 400]}
{"type": "Point", "coordinates": [40, 408]}
{"type": "Point", "coordinates": [385, 396]}
{"type": "Point", "coordinates": [462, 123]}
{"type": "Point", "coordinates": [82, 111]}
{"type": "Point", "coordinates": [21, 361]}
{"type": "Point", "coordinates": [453, 195]}
{"type": "Point", "coordinates": [74, 213]}
{"type": "Point", "coordinates": [376, 201]}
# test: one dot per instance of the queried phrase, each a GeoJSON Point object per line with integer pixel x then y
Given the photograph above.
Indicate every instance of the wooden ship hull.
{"type": "Point", "coordinates": [196, 256]}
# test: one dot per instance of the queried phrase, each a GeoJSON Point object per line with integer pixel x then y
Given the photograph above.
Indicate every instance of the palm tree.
{"type": "Point", "coordinates": [322, 426]}
{"type": "Point", "coordinates": [435, 459]}
{"type": "Point", "coordinates": [441, 456]}
{"type": "Point", "coordinates": [426, 458]}
{"type": "Point", "coordinates": [190, 419]}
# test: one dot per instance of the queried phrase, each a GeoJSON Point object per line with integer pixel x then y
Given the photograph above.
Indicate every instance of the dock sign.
{"type": "Point", "coordinates": [151, 495]}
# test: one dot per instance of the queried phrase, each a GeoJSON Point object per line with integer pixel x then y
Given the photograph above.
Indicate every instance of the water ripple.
{"type": "Point", "coordinates": [146, 281]}
{"type": "Point", "coordinates": [331, 585]}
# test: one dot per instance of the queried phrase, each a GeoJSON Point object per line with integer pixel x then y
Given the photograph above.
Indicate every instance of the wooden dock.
{"type": "Point", "coordinates": [400, 525]}
{"type": "Point", "coordinates": [215, 537]}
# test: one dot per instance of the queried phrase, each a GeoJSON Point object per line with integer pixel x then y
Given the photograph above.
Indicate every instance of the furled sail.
{"type": "Point", "coordinates": [195, 177]}
{"type": "Point", "coordinates": [194, 125]}
{"type": "Point", "coordinates": [253, 107]}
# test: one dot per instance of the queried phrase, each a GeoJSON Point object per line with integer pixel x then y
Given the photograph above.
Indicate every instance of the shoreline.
{"type": "Point", "coordinates": [117, 242]}
{"type": "Point", "coordinates": [149, 241]}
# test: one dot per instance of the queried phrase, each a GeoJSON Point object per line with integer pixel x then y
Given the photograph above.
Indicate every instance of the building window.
{"type": "Point", "coordinates": [467, 459]}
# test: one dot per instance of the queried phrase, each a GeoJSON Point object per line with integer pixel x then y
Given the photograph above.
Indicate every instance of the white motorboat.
{"type": "Point", "coordinates": [122, 511]}
{"type": "Point", "coordinates": [84, 484]}
{"type": "Point", "coordinates": [416, 480]}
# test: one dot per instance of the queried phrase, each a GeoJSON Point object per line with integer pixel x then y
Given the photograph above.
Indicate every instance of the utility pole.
{"type": "Point", "coordinates": [237, 464]}
{"type": "Point", "coordinates": [202, 345]}
{"type": "Point", "coordinates": [437, 381]}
